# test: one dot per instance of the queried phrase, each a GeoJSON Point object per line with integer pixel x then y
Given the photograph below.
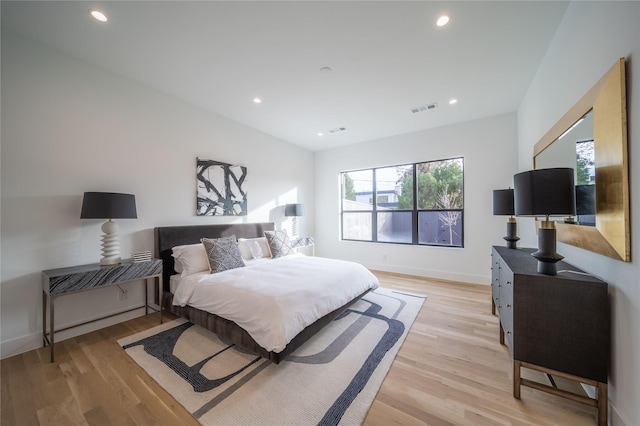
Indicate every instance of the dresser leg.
{"type": "Point", "coordinates": [603, 400]}
{"type": "Point", "coordinates": [516, 379]}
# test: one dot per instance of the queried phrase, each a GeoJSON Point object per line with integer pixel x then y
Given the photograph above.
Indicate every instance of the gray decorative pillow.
{"type": "Point", "coordinates": [278, 243]}
{"type": "Point", "coordinates": [223, 253]}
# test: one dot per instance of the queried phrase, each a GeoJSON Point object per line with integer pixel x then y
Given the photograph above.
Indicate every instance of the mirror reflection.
{"type": "Point", "coordinates": [575, 148]}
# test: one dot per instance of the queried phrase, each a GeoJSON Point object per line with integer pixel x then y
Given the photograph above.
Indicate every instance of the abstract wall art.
{"type": "Point", "coordinates": [220, 189]}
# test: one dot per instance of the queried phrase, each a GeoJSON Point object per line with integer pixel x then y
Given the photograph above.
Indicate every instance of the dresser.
{"type": "Point", "coordinates": [556, 324]}
{"type": "Point", "coordinates": [64, 281]}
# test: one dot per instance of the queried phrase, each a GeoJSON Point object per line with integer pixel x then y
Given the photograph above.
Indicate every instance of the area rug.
{"type": "Point", "coordinates": [332, 379]}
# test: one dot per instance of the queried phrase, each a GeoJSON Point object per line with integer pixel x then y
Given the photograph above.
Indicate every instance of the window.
{"type": "Point", "coordinates": [585, 162]}
{"type": "Point", "coordinates": [585, 182]}
{"type": "Point", "coordinates": [426, 211]}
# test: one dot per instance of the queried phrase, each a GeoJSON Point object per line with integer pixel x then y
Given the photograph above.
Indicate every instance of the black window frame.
{"type": "Point", "coordinates": [415, 211]}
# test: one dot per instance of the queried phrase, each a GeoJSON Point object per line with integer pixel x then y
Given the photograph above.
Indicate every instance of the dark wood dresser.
{"type": "Point", "coordinates": [556, 324]}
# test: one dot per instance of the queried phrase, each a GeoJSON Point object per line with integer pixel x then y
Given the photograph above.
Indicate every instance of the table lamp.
{"type": "Point", "coordinates": [503, 206]}
{"type": "Point", "coordinates": [545, 192]}
{"type": "Point", "coordinates": [109, 205]}
{"type": "Point", "coordinates": [294, 210]}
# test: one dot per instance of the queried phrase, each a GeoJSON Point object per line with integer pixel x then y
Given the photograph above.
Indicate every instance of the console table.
{"type": "Point", "coordinates": [555, 324]}
{"type": "Point", "coordinates": [64, 281]}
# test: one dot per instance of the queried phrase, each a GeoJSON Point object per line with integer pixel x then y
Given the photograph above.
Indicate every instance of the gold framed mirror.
{"type": "Point", "coordinates": [605, 106]}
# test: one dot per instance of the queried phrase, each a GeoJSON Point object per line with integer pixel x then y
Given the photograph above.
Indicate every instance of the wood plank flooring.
{"type": "Point", "coordinates": [451, 370]}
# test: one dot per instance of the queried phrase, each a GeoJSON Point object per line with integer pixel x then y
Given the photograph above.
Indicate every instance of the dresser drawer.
{"type": "Point", "coordinates": [495, 278]}
{"type": "Point", "coordinates": [506, 319]}
{"type": "Point", "coordinates": [506, 285]}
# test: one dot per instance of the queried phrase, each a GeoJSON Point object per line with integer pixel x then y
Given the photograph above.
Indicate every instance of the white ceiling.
{"type": "Point", "coordinates": [386, 58]}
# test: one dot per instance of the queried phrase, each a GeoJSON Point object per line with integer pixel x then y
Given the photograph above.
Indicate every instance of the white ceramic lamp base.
{"type": "Point", "coordinates": [110, 244]}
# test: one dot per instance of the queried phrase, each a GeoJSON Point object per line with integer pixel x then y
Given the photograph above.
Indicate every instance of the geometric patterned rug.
{"type": "Point", "coordinates": [332, 379]}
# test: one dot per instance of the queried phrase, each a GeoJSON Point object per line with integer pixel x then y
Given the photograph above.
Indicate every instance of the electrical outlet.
{"type": "Point", "coordinates": [122, 294]}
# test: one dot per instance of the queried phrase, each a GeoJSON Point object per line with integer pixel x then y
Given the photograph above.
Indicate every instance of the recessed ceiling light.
{"type": "Point", "coordinates": [325, 70]}
{"type": "Point", "coordinates": [320, 134]}
{"type": "Point", "coordinates": [257, 100]}
{"type": "Point", "coordinates": [442, 21]}
{"type": "Point", "coordinates": [453, 101]}
{"type": "Point", "coordinates": [98, 16]}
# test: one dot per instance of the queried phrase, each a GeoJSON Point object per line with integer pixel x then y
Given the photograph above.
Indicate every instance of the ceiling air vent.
{"type": "Point", "coordinates": [426, 107]}
{"type": "Point", "coordinates": [337, 129]}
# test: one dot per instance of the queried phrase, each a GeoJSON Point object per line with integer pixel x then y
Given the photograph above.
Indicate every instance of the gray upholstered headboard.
{"type": "Point", "coordinates": [167, 237]}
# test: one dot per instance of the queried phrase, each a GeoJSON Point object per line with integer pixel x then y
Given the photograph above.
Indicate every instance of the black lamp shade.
{"type": "Point", "coordinates": [108, 205]}
{"type": "Point", "coordinates": [503, 202]}
{"type": "Point", "coordinates": [544, 192]}
{"type": "Point", "coordinates": [294, 210]}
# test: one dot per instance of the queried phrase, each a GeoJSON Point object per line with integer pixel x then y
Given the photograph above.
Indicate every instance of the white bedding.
{"type": "Point", "coordinates": [276, 299]}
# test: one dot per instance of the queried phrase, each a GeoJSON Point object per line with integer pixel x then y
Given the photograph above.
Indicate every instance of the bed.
{"type": "Point", "coordinates": [166, 238]}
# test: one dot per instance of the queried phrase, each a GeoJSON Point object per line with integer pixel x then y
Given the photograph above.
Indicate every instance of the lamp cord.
{"type": "Point", "coordinates": [578, 272]}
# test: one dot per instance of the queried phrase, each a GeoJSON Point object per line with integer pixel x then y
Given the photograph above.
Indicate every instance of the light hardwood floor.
{"type": "Point", "coordinates": [451, 370]}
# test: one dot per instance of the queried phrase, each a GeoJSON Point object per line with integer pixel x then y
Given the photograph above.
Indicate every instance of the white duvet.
{"type": "Point", "coordinates": [276, 299]}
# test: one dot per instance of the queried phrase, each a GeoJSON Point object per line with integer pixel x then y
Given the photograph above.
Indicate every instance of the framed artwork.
{"type": "Point", "coordinates": [220, 189]}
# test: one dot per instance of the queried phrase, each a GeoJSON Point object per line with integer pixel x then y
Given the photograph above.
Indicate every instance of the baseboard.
{"type": "Point", "coordinates": [430, 273]}
{"type": "Point", "coordinates": [615, 418]}
{"type": "Point", "coordinates": [18, 345]}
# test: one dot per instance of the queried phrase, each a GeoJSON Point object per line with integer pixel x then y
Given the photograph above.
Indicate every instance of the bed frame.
{"type": "Point", "coordinates": [171, 236]}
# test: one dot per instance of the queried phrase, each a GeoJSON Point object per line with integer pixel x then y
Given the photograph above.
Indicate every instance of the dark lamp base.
{"type": "Point", "coordinates": [546, 254]}
{"type": "Point", "coordinates": [511, 242]}
{"type": "Point", "coordinates": [512, 235]}
{"type": "Point", "coordinates": [547, 268]}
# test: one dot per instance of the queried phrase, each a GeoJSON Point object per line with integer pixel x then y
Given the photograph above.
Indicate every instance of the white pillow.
{"type": "Point", "coordinates": [190, 259]}
{"type": "Point", "coordinates": [256, 250]}
{"type": "Point", "coordinates": [253, 248]}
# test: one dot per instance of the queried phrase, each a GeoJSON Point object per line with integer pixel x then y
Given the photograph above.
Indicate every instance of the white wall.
{"type": "Point", "coordinates": [489, 149]}
{"type": "Point", "coordinates": [591, 37]}
{"type": "Point", "coordinates": [69, 127]}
